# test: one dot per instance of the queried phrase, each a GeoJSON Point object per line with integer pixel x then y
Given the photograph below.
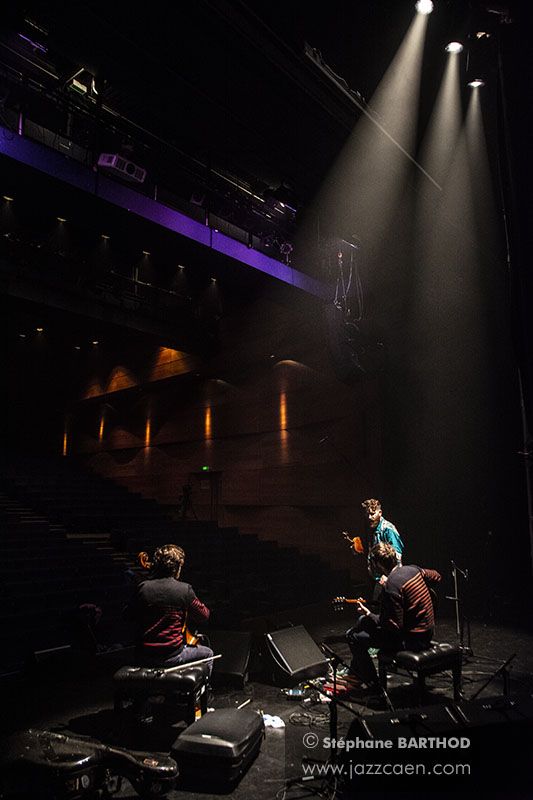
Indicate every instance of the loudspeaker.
{"type": "Point", "coordinates": [355, 349]}
{"type": "Point", "coordinates": [234, 647]}
{"type": "Point", "coordinates": [436, 720]}
{"type": "Point", "coordinates": [468, 742]}
{"type": "Point", "coordinates": [295, 654]}
{"type": "Point", "coordinates": [345, 359]}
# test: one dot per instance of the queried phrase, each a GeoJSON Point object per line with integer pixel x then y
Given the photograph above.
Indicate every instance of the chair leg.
{"type": "Point", "coordinates": [457, 687]}
{"type": "Point", "coordinates": [190, 714]}
{"type": "Point", "coordinates": [420, 686]}
{"type": "Point", "coordinates": [382, 672]}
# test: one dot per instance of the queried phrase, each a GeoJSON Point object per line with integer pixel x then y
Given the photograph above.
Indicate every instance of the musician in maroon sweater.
{"type": "Point", "coordinates": [161, 608]}
{"type": "Point", "coordinates": [406, 620]}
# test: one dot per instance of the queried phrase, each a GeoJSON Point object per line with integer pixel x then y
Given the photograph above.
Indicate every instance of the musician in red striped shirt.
{"type": "Point", "coordinates": [161, 608]}
{"type": "Point", "coordinates": [406, 619]}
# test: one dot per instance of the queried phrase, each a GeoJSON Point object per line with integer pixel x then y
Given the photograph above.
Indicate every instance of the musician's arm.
{"type": "Point", "coordinates": [394, 539]}
{"type": "Point", "coordinates": [198, 611]}
{"type": "Point", "coordinates": [431, 575]}
{"type": "Point", "coordinates": [391, 617]}
{"type": "Point", "coordinates": [367, 613]}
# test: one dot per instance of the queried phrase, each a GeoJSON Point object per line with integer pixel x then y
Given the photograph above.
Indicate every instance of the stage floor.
{"type": "Point", "coordinates": [76, 697]}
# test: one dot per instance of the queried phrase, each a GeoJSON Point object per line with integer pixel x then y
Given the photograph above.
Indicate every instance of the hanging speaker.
{"type": "Point", "coordinates": [295, 654]}
{"type": "Point", "coordinates": [345, 359]}
{"type": "Point", "coordinates": [355, 350]}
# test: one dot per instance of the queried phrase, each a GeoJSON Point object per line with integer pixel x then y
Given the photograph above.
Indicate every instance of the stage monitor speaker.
{"type": "Point", "coordinates": [487, 737]}
{"type": "Point", "coordinates": [295, 654]}
{"type": "Point", "coordinates": [234, 646]}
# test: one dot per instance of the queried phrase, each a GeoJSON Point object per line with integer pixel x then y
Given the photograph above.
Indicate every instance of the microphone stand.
{"type": "Point", "coordinates": [336, 661]}
{"type": "Point", "coordinates": [460, 623]}
{"type": "Point", "coordinates": [504, 672]}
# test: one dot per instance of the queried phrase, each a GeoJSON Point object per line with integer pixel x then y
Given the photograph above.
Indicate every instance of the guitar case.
{"type": "Point", "coordinates": [218, 748]}
{"type": "Point", "coordinates": [42, 764]}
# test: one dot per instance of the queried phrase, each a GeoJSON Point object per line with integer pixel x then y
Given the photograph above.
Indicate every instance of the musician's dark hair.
{"type": "Point", "coordinates": [168, 560]}
{"type": "Point", "coordinates": [385, 554]}
{"type": "Point", "coordinates": [371, 505]}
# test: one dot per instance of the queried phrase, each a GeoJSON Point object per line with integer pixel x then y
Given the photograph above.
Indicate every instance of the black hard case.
{"type": "Point", "coordinates": [220, 747]}
{"type": "Point", "coordinates": [42, 764]}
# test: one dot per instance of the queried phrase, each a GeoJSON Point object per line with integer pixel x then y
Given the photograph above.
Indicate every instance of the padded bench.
{"type": "Point", "coordinates": [141, 689]}
{"type": "Point", "coordinates": [437, 658]}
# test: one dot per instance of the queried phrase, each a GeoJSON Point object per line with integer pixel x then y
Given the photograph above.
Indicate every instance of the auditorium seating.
{"type": "Point", "coordinates": [72, 537]}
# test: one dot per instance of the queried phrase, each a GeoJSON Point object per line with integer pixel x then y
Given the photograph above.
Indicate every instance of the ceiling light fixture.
{"type": "Point", "coordinates": [424, 6]}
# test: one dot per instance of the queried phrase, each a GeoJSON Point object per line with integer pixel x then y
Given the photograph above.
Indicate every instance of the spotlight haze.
{"type": "Point", "coordinates": [454, 47]}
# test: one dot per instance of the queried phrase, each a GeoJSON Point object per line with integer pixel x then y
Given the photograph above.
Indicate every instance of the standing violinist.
{"type": "Point", "coordinates": [161, 608]}
{"type": "Point", "coordinates": [380, 530]}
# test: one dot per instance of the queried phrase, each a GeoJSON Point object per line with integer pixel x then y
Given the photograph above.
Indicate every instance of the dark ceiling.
{"type": "Point", "coordinates": [223, 89]}
{"type": "Point", "coordinates": [227, 82]}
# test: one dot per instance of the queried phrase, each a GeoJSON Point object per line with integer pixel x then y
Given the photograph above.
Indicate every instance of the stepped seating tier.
{"type": "Point", "coordinates": [70, 536]}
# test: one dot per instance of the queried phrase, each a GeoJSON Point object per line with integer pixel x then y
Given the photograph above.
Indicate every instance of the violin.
{"type": "Point", "coordinates": [356, 542]}
{"type": "Point", "coordinates": [190, 638]}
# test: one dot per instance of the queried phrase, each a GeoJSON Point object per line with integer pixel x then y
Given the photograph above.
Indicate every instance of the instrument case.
{"type": "Point", "coordinates": [219, 748]}
{"type": "Point", "coordinates": [42, 764]}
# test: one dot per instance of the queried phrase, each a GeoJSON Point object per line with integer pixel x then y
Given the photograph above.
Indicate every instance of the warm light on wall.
{"type": "Point", "coordinates": [147, 433]}
{"type": "Point", "coordinates": [65, 442]}
{"type": "Point", "coordinates": [207, 423]}
{"type": "Point", "coordinates": [101, 430]}
{"type": "Point", "coordinates": [283, 433]}
{"type": "Point", "coordinates": [283, 411]}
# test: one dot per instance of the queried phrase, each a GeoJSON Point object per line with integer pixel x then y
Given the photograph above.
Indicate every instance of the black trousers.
{"type": "Point", "coordinates": [368, 633]}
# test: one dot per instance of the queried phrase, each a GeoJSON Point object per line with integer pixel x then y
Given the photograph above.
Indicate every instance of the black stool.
{"type": "Point", "coordinates": [140, 689]}
{"type": "Point", "coordinates": [437, 658]}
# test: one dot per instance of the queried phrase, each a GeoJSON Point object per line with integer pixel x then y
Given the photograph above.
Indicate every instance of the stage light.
{"type": "Point", "coordinates": [95, 342]}
{"type": "Point", "coordinates": [61, 219]}
{"type": "Point", "coordinates": [477, 83]}
{"type": "Point", "coordinates": [454, 47]}
{"type": "Point", "coordinates": [77, 347]}
{"type": "Point", "coordinates": [9, 199]}
{"type": "Point", "coordinates": [105, 236]}
{"type": "Point", "coordinates": [39, 330]}
{"type": "Point", "coordinates": [146, 252]}
{"type": "Point", "coordinates": [424, 6]}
